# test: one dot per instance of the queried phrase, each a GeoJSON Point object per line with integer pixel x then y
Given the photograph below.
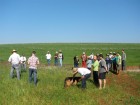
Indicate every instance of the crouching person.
{"type": "Point", "coordinates": [85, 74]}
{"type": "Point", "coordinates": [33, 61]}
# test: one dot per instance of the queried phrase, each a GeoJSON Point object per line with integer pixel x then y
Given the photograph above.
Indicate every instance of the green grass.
{"type": "Point", "coordinates": [50, 91]}
{"type": "Point", "coordinates": [71, 49]}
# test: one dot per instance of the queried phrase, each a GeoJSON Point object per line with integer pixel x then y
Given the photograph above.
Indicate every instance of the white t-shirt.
{"type": "Point", "coordinates": [60, 55]}
{"type": "Point", "coordinates": [83, 71]}
{"type": "Point", "coordinates": [48, 56]}
{"type": "Point", "coordinates": [14, 58]}
{"type": "Point", "coordinates": [91, 56]}
{"type": "Point", "coordinates": [22, 59]}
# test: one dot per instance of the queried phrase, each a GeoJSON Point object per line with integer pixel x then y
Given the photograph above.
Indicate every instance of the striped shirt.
{"type": "Point", "coordinates": [33, 61]}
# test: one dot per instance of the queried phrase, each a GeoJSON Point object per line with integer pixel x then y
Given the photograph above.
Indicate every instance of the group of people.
{"type": "Point", "coordinates": [18, 63]}
{"type": "Point", "coordinates": [96, 63]}
{"type": "Point", "coordinates": [58, 58]}
{"type": "Point", "coordinates": [100, 66]}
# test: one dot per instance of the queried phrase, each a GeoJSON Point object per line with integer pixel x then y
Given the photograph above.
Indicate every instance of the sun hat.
{"type": "Point", "coordinates": [13, 50]}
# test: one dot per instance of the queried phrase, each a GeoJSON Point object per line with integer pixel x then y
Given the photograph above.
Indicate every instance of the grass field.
{"type": "Point", "coordinates": [123, 89]}
{"type": "Point", "coordinates": [70, 50]}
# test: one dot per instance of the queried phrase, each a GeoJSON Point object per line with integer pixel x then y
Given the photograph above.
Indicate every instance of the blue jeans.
{"type": "Point", "coordinates": [60, 62]}
{"type": "Point", "coordinates": [15, 67]}
{"type": "Point", "coordinates": [56, 62]}
{"type": "Point", "coordinates": [34, 72]}
{"type": "Point", "coordinates": [48, 61]}
{"type": "Point", "coordinates": [23, 66]}
{"type": "Point", "coordinates": [84, 80]}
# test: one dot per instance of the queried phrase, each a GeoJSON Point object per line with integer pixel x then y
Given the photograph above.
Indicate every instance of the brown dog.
{"type": "Point", "coordinates": [71, 81]}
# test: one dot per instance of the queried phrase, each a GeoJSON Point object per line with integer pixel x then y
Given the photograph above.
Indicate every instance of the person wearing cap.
{"type": "Point", "coordinates": [123, 60]}
{"type": "Point", "coordinates": [85, 74]}
{"type": "Point", "coordinates": [48, 58]}
{"type": "Point", "coordinates": [14, 59]}
{"type": "Point", "coordinates": [23, 62]}
{"type": "Point", "coordinates": [56, 59]}
{"type": "Point", "coordinates": [102, 72]}
{"type": "Point", "coordinates": [95, 67]}
{"type": "Point", "coordinates": [84, 59]}
{"type": "Point", "coordinates": [33, 61]}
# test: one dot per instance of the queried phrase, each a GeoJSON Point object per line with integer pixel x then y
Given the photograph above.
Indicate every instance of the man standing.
{"type": "Point", "coordinates": [123, 60]}
{"type": "Point", "coordinates": [60, 57]}
{"type": "Point", "coordinates": [102, 72]}
{"type": "Point", "coordinates": [14, 59]}
{"type": "Point", "coordinates": [33, 61]}
{"type": "Point", "coordinates": [56, 59]}
{"type": "Point", "coordinates": [23, 62]}
{"type": "Point", "coordinates": [48, 57]}
{"type": "Point", "coordinates": [85, 74]}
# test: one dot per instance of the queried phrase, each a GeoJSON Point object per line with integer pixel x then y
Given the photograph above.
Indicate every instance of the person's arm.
{"type": "Point", "coordinates": [74, 74]}
{"type": "Point", "coordinates": [37, 61]}
{"type": "Point", "coordinates": [28, 61]}
{"type": "Point", "coordinates": [10, 60]}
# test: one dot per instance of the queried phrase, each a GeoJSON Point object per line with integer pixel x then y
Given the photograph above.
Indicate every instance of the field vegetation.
{"type": "Point", "coordinates": [123, 89]}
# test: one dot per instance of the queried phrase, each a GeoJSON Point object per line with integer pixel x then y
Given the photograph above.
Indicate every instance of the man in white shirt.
{"type": "Point", "coordinates": [23, 62]}
{"type": "Point", "coordinates": [85, 74]}
{"type": "Point", "coordinates": [14, 59]}
{"type": "Point", "coordinates": [48, 57]}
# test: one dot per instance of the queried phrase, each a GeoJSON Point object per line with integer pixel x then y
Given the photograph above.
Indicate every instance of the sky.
{"type": "Point", "coordinates": [69, 21]}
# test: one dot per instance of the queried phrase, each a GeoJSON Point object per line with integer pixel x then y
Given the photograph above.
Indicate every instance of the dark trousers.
{"type": "Point", "coordinates": [95, 77]}
{"type": "Point", "coordinates": [84, 80]}
{"type": "Point", "coordinates": [123, 65]}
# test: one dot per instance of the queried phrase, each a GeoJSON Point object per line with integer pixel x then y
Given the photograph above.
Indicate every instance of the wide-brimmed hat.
{"type": "Point", "coordinates": [14, 50]}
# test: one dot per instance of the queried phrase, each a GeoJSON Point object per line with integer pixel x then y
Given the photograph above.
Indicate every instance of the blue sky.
{"type": "Point", "coordinates": [51, 21]}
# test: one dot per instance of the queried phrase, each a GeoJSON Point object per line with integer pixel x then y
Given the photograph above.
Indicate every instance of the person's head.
{"type": "Point", "coordinates": [60, 51]}
{"type": "Point", "coordinates": [95, 58]}
{"type": "Point", "coordinates": [84, 53]}
{"type": "Point", "coordinates": [33, 52]}
{"type": "Point", "coordinates": [107, 55]}
{"type": "Point", "coordinates": [101, 56]}
{"type": "Point", "coordinates": [48, 52]}
{"type": "Point", "coordinates": [114, 53]}
{"type": "Point", "coordinates": [117, 54]}
{"type": "Point", "coordinates": [14, 50]}
{"type": "Point", "coordinates": [122, 50]}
